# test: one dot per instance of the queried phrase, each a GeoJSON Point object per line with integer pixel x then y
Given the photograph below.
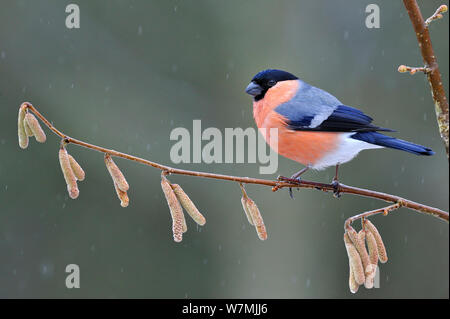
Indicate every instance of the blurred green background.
{"type": "Point", "coordinates": [137, 69]}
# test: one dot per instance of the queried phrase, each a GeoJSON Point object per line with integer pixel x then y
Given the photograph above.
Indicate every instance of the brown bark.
{"type": "Point", "coordinates": [434, 75]}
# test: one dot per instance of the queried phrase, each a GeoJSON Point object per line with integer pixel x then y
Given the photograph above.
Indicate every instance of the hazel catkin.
{"type": "Point", "coordinates": [382, 254]}
{"type": "Point", "coordinates": [257, 219]}
{"type": "Point", "coordinates": [360, 247]}
{"type": "Point", "coordinates": [116, 174]}
{"type": "Point", "coordinates": [77, 170]}
{"type": "Point", "coordinates": [68, 173]}
{"type": "Point", "coordinates": [188, 205]}
{"type": "Point", "coordinates": [23, 137]}
{"type": "Point", "coordinates": [175, 209]}
{"type": "Point", "coordinates": [354, 260]}
{"type": "Point", "coordinates": [35, 127]}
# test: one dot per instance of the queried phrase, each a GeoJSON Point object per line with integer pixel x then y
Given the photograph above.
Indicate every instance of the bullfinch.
{"type": "Point", "coordinates": [315, 128]}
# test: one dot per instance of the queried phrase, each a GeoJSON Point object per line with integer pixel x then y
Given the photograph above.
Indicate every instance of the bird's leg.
{"type": "Point", "coordinates": [294, 178]}
{"type": "Point", "coordinates": [335, 183]}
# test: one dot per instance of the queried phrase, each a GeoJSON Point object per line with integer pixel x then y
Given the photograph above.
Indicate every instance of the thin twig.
{"type": "Point", "coordinates": [436, 15]}
{"type": "Point", "coordinates": [413, 69]}
{"type": "Point", "coordinates": [429, 59]}
{"type": "Point", "coordinates": [384, 210]}
{"type": "Point", "coordinates": [248, 180]}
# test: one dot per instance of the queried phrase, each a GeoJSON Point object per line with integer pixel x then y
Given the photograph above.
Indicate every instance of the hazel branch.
{"type": "Point", "coordinates": [434, 75]}
{"type": "Point", "coordinates": [432, 211]}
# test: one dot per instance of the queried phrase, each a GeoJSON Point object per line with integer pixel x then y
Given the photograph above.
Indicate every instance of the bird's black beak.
{"type": "Point", "coordinates": [253, 89]}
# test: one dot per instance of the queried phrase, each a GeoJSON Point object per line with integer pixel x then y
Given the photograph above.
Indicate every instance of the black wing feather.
{"type": "Point", "coordinates": [343, 119]}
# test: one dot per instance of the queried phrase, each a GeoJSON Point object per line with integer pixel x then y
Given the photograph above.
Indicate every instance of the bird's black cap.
{"type": "Point", "coordinates": [273, 74]}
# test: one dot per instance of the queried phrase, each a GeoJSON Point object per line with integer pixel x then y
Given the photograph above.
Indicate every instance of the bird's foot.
{"type": "Point", "coordinates": [336, 190]}
{"type": "Point", "coordinates": [292, 180]}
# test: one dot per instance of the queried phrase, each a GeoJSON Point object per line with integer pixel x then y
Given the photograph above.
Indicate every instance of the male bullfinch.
{"type": "Point", "coordinates": [315, 128]}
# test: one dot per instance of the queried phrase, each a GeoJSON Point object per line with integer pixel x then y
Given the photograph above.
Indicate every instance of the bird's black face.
{"type": "Point", "coordinates": [266, 79]}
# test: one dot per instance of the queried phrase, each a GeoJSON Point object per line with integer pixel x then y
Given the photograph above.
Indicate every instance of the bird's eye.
{"type": "Point", "coordinates": [272, 82]}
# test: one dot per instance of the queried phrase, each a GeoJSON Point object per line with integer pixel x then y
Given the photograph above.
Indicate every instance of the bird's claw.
{"type": "Point", "coordinates": [290, 180]}
{"type": "Point", "coordinates": [290, 193]}
{"type": "Point", "coordinates": [336, 191]}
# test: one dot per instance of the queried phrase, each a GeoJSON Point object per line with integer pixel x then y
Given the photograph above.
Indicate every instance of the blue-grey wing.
{"type": "Point", "coordinates": [313, 109]}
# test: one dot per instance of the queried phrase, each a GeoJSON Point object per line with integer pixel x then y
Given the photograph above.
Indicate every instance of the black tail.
{"type": "Point", "coordinates": [391, 142]}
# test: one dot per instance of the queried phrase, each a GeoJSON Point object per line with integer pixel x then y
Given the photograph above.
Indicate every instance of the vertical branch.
{"type": "Point", "coordinates": [434, 75]}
